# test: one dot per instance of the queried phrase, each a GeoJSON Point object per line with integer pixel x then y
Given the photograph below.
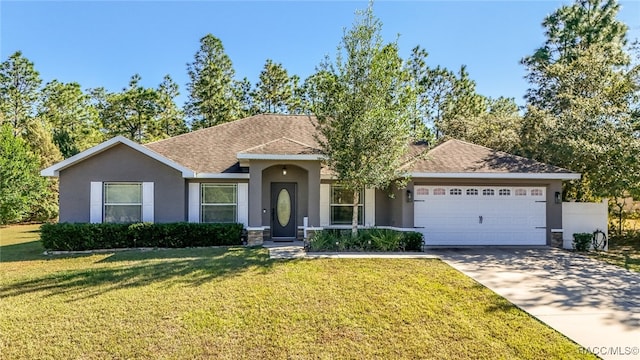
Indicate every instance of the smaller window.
{"type": "Point", "coordinates": [439, 191]}
{"type": "Point", "coordinates": [504, 192]}
{"type": "Point", "coordinates": [219, 203]}
{"type": "Point", "coordinates": [341, 206]}
{"type": "Point", "coordinates": [521, 192]}
{"type": "Point", "coordinates": [472, 192]}
{"type": "Point", "coordinates": [422, 191]}
{"type": "Point", "coordinates": [122, 202]}
{"type": "Point", "coordinates": [488, 192]}
{"type": "Point", "coordinates": [455, 192]}
{"type": "Point", "coordinates": [536, 192]}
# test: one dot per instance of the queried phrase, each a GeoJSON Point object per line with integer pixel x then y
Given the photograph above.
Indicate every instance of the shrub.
{"type": "Point", "coordinates": [582, 241]}
{"type": "Point", "coordinates": [366, 240]}
{"type": "Point", "coordinates": [82, 236]}
{"type": "Point", "coordinates": [386, 240]}
{"type": "Point", "coordinates": [413, 241]}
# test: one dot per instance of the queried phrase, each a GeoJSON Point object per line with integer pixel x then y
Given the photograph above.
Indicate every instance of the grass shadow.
{"type": "Point", "coordinates": [130, 269]}
{"type": "Point", "coordinates": [26, 251]}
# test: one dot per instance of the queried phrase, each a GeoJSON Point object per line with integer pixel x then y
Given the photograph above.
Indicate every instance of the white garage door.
{"type": "Point", "coordinates": [477, 215]}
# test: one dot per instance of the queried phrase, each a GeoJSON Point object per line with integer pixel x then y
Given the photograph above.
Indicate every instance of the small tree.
{"type": "Point", "coordinates": [363, 109]}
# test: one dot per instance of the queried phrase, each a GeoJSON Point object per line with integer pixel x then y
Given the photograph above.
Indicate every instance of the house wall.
{"type": "Point", "coordinates": [306, 174]}
{"type": "Point", "coordinates": [398, 212]}
{"type": "Point", "coordinates": [121, 163]}
{"type": "Point", "coordinates": [394, 211]}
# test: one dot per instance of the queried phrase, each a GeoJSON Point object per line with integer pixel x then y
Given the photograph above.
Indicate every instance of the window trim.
{"type": "Point", "coordinates": [504, 192]}
{"type": "Point", "coordinates": [520, 192]}
{"type": "Point", "coordinates": [105, 203]}
{"type": "Point", "coordinates": [361, 207]}
{"type": "Point", "coordinates": [488, 192]}
{"type": "Point", "coordinates": [202, 204]}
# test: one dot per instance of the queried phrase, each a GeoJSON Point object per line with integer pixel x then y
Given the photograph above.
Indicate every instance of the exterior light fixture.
{"type": "Point", "coordinates": [558, 197]}
{"type": "Point", "coordinates": [409, 196]}
{"type": "Point", "coordinates": [284, 171]}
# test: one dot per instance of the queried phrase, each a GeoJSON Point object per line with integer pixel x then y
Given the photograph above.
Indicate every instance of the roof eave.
{"type": "Point", "coordinates": [54, 170]}
{"type": "Point", "coordinates": [220, 176]}
{"type": "Point", "coordinates": [514, 176]}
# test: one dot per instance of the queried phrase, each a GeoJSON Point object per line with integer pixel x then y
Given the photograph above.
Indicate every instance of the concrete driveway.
{"type": "Point", "coordinates": [594, 304]}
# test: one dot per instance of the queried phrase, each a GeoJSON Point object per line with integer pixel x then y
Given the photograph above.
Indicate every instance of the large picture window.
{"type": "Point", "coordinates": [122, 202]}
{"type": "Point", "coordinates": [342, 206]}
{"type": "Point", "coordinates": [219, 203]}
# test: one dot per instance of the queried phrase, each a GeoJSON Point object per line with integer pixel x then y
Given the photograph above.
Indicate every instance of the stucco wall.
{"type": "Point", "coordinates": [583, 218]}
{"type": "Point", "coordinates": [394, 211]}
{"type": "Point", "coordinates": [121, 163]}
{"type": "Point", "coordinates": [306, 174]}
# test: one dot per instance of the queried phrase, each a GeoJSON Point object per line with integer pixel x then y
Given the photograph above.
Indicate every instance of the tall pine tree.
{"type": "Point", "coordinates": [583, 99]}
{"type": "Point", "coordinates": [212, 93]}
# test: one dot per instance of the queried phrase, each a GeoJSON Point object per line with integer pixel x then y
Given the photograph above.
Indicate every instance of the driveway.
{"type": "Point", "coordinates": [595, 304]}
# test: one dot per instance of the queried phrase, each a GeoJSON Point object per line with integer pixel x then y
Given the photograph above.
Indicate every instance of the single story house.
{"type": "Point", "coordinates": [266, 172]}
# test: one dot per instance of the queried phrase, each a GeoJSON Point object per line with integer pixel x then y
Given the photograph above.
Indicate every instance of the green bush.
{"type": "Point", "coordinates": [82, 236]}
{"type": "Point", "coordinates": [386, 240]}
{"type": "Point", "coordinates": [582, 241]}
{"type": "Point", "coordinates": [366, 240]}
{"type": "Point", "coordinates": [413, 241]}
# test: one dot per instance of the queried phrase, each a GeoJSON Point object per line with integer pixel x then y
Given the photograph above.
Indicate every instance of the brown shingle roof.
{"type": "Point", "coordinates": [215, 149]}
{"type": "Point", "coordinates": [456, 156]}
{"type": "Point", "coordinates": [282, 146]}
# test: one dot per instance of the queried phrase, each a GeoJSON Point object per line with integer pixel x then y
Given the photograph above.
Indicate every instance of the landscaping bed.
{"type": "Point", "coordinates": [375, 239]}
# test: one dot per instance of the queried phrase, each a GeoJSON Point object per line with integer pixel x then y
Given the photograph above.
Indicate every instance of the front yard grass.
{"type": "Point", "coordinates": [623, 253]}
{"type": "Point", "coordinates": [233, 303]}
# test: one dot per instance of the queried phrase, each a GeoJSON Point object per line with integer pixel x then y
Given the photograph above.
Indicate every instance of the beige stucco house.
{"type": "Point", "coordinates": [266, 172]}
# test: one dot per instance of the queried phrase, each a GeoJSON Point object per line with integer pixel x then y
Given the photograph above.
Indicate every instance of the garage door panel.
{"type": "Point", "coordinates": [495, 216]}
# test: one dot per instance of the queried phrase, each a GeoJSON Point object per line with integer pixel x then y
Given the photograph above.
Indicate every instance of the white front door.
{"type": "Point", "coordinates": [481, 215]}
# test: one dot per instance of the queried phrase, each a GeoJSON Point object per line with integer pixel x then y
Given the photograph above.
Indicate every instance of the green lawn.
{"type": "Point", "coordinates": [621, 253]}
{"type": "Point", "coordinates": [236, 303]}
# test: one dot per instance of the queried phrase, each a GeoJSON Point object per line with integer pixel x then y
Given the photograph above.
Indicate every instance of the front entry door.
{"type": "Point", "coordinates": [283, 211]}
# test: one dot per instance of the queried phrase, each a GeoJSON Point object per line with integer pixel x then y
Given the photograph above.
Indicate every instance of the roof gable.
{"type": "Point", "coordinates": [55, 169]}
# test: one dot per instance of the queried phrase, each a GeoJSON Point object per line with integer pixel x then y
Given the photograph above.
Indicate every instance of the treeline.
{"type": "Point", "coordinates": [582, 113]}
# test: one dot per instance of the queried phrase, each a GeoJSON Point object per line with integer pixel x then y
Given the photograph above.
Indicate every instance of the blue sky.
{"type": "Point", "coordinates": [103, 43]}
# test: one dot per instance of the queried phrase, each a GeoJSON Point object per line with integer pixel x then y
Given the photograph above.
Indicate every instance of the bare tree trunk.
{"type": "Point", "coordinates": [354, 219]}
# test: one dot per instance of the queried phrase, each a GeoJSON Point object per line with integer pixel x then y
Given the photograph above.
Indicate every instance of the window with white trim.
{"type": "Point", "coordinates": [536, 192]}
{"type": "Point", "coordinates": [439, 191]}
{"type": "Point", "coordinates": [341, 206]}
{"type": "Point", "coordinates": [521, 192]}
{"type": "Point", "coordinates": [504, 192]}
{"type": "Point", "coordinates": [455, 191]}
{"type": "Point", "coordinates": [472, 192]}
{"type": "Point", "coordinates": [122, 202]}
{"type": "Point", "coordinates": [218, 203]}
{"type": "Point", "coordinates": [488, 192]}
